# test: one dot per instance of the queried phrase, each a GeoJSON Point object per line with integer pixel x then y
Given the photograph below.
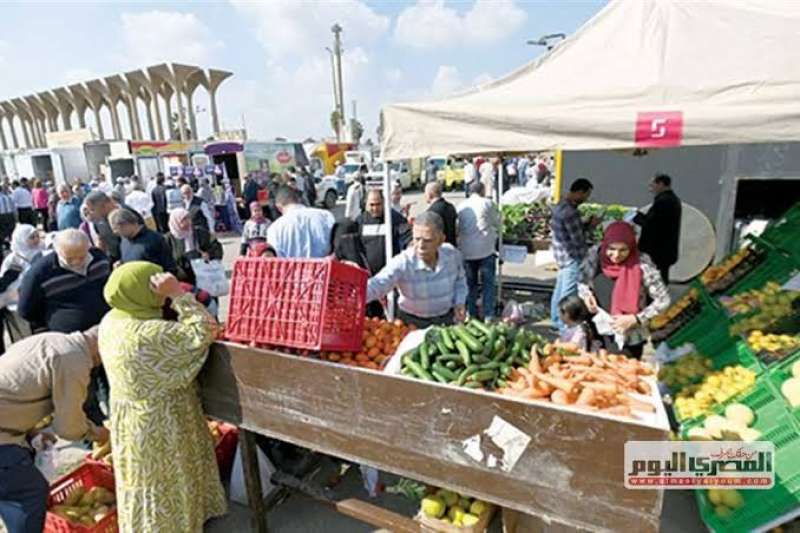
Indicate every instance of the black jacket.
{"type": "Point", "coordinates": [661, 229]}
{"type": "Point", "coordinates": [447, 211]}
{"type": "Point", "coordinates": [250, 192]}
{"type": "Point", "coordinates": [373, 235]}
{"type": "Point", "coordinates": [57, 299]}
{"type": "Point", "coordinates": [159, 196]}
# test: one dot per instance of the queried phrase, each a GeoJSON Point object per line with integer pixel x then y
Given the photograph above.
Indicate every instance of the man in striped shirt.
{"type": "Point", "coordinates": [429, 276]}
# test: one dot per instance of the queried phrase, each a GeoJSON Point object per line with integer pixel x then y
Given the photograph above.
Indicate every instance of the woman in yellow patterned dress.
{"type": "Point", "coordinates": [166, 474]}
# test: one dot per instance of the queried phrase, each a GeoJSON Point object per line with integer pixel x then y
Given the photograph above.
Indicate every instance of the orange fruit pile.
{"type": "Point", "coordinates": [380, 341]}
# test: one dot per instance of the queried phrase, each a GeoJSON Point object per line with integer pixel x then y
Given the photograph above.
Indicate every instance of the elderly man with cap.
{"type": "Point", "coordinates": [429, 276]}
{"type": "Point", "coordinates": [42, 375]}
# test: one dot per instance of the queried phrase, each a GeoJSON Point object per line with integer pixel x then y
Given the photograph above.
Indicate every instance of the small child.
{"type": "Point", "coordinates": [576, 315]}
{"type": "Point", "coordinates": [255, 229]}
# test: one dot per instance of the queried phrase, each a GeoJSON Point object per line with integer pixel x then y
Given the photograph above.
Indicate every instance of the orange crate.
{"type": "Point", "coordinates": [313, 304]}
{"type": "Point", "coordinates": [87, 475]}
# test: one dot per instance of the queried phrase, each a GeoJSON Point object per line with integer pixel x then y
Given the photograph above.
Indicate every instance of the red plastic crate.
{"type": "Point", "coordinates": [225, 449]}
{"type": "Point", "coordinates": [87, 475]}
{"type": "Point", "coordinates": [313, 304]}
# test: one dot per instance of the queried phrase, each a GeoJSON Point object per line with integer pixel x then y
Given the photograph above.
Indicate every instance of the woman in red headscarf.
{"type": "Point", "coordinates": [625, 283]}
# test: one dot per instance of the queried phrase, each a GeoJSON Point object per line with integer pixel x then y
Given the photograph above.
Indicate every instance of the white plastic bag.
{"type": "Point", "coordinates": [265, 470]}
{"type": "Point", "coordinates": [210, 277]}
{"type": "Point", "coordinates": [45, 459]}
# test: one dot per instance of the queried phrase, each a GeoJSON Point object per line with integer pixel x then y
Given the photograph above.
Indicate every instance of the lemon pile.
{"type": "Point", "coordinates": [716, 387]}
{"type": "Point", "coordinates": [768, 342]}
{"type": "Point", "coordinates": [453, 508]}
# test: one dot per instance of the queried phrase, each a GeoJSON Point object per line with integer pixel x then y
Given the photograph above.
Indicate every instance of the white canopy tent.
{"type": "Point", "coordinates": [641, 73]}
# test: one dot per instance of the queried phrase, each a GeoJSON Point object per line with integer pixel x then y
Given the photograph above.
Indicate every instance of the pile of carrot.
{"type": "Point", "coordinates": [595, 381]}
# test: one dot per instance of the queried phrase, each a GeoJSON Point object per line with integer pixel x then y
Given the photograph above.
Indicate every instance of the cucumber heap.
{"type": "Point", "coordinates": [474, 355]}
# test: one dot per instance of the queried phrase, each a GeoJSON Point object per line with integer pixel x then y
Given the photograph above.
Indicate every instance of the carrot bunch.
{"type": "Point", "coordinates": [594, 381]}
{"type": "Point", "coordinates": [380, 341]}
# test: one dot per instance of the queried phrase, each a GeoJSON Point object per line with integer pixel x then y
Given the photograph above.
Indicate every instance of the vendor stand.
{"type": "Point", "coordinates": [571, 471]}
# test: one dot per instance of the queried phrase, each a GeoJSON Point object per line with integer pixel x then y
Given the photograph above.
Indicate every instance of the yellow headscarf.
{"type": "Point", "coordinates": [129, 294]}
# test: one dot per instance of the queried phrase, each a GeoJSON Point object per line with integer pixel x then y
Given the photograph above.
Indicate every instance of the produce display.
{"type": "Point", "coordinates": [529, 222]}
{"type": "Point", "coordinates": [718, 278]}
{"type": "Point", "coordinates": [526, 222]}
{"type": "Point", "coordinates": [689, 369]}
{"type": "Point", "coordinates": [474, 355]}
{"type": "Point", "coordinates": [746, 302]}
{"type": "Point", "coordinates": [216, 433]}
{"type": "Point", "coordinates": [725, 501]}
{"type": "Point", "coordinates": [676, 316]}
{"type": "Point", "coordinates": [606, 213]}
{"type": "Point", "coordinates": [770, 317]}
{"type": "Point", "coordinates": [102, 453]}
{"type": "Point", "coordinates": [771, 347]}
{"type": "Point", "coordinates": [451, 508]}
{"type": "Point", "coordinates": [597, 382]}
{"type": "Point", "coordinates": [717, 387]}
{"type": "Point", "coordinates": [380, 341]}
{"type": "Point", "coordinates": [86, 507]}
{"type": "Point", "coordinates": [791, 387]}
{"type": "Point", "coordinates": [735, 425]}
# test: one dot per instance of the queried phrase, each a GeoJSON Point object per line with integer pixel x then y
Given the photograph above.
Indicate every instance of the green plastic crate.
{"type": "Point", "coordinates": [776, 425]}
{"type": "Point", "coordinates": [783, 232]}
{"type": "Point", "coordinates": [778, 373]}
{"type": "Point", "coordinates": [710, 323]}
{"type": "Point", "coordinates": [778, 265]}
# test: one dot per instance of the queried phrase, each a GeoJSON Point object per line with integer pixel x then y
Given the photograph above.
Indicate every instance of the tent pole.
{"type": "Point", "coordinates": [499, 194]}
{"type": "Point", "coordinates": [558, 169]}
{"type": "Point", "coordinates": [387, 222]}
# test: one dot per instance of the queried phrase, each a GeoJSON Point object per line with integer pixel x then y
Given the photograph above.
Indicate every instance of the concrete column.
{"type": "Point", "coordinates": [25, 134]}
{"type": "Point", "coordinates": [157, 113]}
{"type": "Point", "coordinates": [112, 107]}
{"type": "Point", "coordinates": [168, 107]}
{"type": "Point", "coordinates": [3, 143]}
{"type": "Point", "coordinates": [150, 128]}
{"type": "Point", "coordinates": [10, 112]}
{"type": "Point", "coordinates": [192, 118]}
{"type": "Point", "coordinates": [181, 116]}
{"type": "Point", "coordinates": [98, 122]}
{"type": "Point", "coordinates": [212, 97]}
{"type": "Point", "coordinates": [131, 118]}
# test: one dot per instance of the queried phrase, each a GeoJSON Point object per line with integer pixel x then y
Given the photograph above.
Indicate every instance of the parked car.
{"type": "Point", "coordinates": [328, 190]}
{"type": "Point", "coordinates": [451, 176]}
{"type": "Point", "coordinates": [398, 171]}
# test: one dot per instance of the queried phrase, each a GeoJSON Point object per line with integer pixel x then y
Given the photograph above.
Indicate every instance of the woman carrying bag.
{"type": "Point", "coordinates": [189, 242]}
{"type": "Point", "coordinates": [626, 284]}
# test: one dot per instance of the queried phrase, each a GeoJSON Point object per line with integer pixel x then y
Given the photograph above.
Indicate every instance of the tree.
{"type": "Point", "coordinates": [356, 130]}
{"type": "Point", "coordinates": [336, 122]}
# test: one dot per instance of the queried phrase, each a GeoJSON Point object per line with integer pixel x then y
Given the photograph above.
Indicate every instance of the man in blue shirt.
{"type": "Point", "coordinates": [300, 231]}
{"type": "Point", "coordinates": [68, 210]}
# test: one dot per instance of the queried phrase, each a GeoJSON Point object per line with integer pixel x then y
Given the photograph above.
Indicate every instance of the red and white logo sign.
{"type": "Point", "coordinates": [659, 129]}
{"type": "Point", "coordinates": [283, 157]}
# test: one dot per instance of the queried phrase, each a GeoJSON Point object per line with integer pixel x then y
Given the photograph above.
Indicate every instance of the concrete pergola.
{"type": "Point", "coordinates": [29, 118]}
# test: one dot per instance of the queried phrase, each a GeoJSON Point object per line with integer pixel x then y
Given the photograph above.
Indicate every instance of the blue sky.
{"type": "Point", "coordinates": [394, 51]}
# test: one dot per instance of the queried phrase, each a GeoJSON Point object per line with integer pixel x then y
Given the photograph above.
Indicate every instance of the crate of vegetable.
{"type": "Point", "coordinates": [526, 223]}
{"type": "Point", "coordinates": [83, 501]}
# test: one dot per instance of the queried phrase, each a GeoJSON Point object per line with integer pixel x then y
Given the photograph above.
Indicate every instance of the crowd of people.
{"type": "Point", "coordinates": [109, 328]}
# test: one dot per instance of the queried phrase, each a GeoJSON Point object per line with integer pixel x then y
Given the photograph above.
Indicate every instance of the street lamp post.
{"type": "Point", "coordinates": [549, 40]}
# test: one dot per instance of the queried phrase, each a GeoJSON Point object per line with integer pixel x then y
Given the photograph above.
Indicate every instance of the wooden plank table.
{"type": "Point", "coordinates": [571, 471]}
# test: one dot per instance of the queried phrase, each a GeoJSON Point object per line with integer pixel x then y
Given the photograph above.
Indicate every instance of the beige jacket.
{"type": "Point", "coordinates": [42, 375]}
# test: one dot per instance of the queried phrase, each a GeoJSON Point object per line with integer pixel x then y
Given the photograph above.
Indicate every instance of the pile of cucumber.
{"type": "Point", "coordinates": [475, 354]}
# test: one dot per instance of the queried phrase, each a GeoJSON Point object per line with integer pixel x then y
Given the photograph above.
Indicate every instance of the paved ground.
{"type": "Point", "coordinates": [300, 514]}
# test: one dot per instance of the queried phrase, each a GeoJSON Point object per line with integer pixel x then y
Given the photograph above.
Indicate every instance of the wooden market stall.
{"type": "Point", "coordinates": [570, 471]}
